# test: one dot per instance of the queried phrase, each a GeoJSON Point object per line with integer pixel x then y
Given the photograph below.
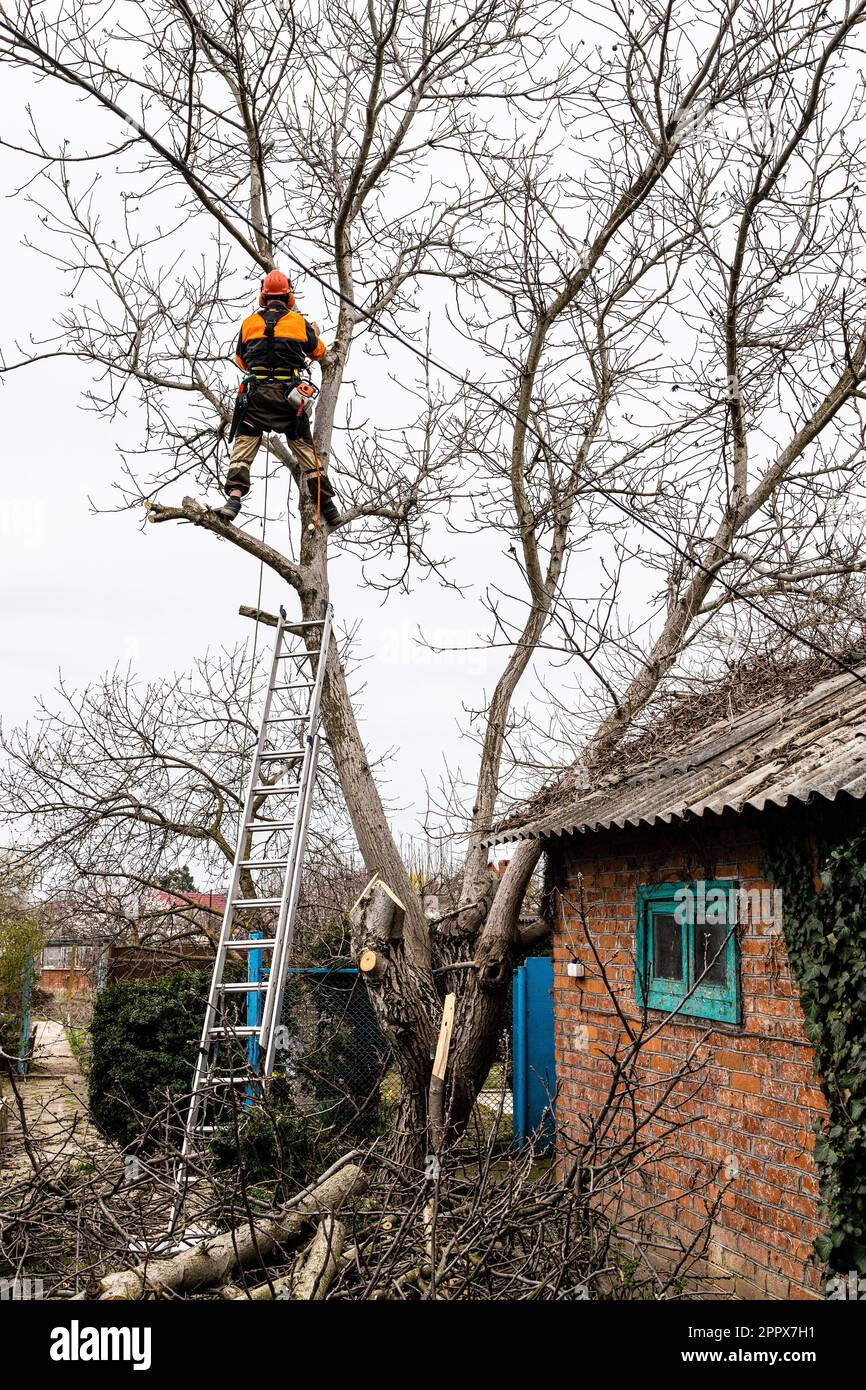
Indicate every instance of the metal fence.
{"type": "Point", "coordinates": [333, 1055]}
{"type": "Point", "coordinates": [336, 1060]}
{"type": "Point", "coordinates": [495, 1101]}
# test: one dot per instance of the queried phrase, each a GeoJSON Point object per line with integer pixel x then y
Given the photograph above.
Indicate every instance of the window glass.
{"type": "Point", "coordinates": [711, 966]}
{"type": "Point", "coordinates": [667, 946]}
{"type": "Point", "coordinates": [687, 965]}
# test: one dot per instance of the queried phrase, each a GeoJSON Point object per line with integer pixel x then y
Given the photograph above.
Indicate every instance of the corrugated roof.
{"type": "Point", "coordinates": [792, 750]}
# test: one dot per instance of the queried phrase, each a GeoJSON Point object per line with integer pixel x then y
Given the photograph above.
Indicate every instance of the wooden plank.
{"type": "Point", "coordinates": [363, 893]}
{"type": "Point", "coordinates": [443, 1045]}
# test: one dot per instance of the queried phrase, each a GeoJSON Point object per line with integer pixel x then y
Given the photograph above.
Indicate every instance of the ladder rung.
{"type": "Point", "coordinates": [296, 656]}
{"type": "Point", "coordinates": [241, 1080]}
{"type": "Point", "coordinates": [234, 988]}
{"type": "Point", "coordinates": [290, 755]}
{"type": "Point", "coordinates": [246, 1031]}
{"type": "Point", "coordinates": [263, 864]}
{"type": "Point", "coordinates": [265, 943]}
{"type": "Point", "coordinates": [287, 718]}
{"type": "Point", "coordinates": [270, 825]}
{"type": "Point", "coordinates": [296, 685]}
{"type": "Point", "coordinates": [255, 902]}
{"type": "Point", "coordinates": [274, 791]}
{"type": "Point", "coordinates": [308, 622]}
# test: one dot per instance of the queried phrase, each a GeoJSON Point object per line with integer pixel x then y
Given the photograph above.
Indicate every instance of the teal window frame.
{"type": "Point", "coordinates": [690, 996]}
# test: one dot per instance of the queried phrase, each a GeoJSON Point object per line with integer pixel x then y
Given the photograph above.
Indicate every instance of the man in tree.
{"type": "Point", "coordinates": [274, 346]}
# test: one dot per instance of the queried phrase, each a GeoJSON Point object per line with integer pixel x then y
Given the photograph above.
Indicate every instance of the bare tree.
{"type": "Point", "coordinates": [657, 276]}
{"type": "Point", "coordinates": [111, 786]}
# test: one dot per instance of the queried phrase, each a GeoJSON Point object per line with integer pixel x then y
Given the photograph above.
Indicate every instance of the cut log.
{"type": "Point", "coordinates": [322, 1262]}
{"type": "Point", "coordinates": [215, 1259]}
{"type": "Point", "coordinates": [312, 1281]}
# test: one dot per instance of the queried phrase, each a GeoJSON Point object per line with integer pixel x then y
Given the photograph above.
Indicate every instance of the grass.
{"type": "Point", "coordinates": [79, 1041]}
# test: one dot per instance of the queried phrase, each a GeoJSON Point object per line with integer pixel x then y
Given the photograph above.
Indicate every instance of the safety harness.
{"type": "Point", "coordinates": [302, 392]}
{"type": "Point", "coordinates": [271, 372]}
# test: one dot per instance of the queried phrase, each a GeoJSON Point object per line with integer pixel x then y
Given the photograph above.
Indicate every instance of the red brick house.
{"type": "Point", "coordinates": [169, 931]}
{"type": "Point", "coordinates": [667, 926]}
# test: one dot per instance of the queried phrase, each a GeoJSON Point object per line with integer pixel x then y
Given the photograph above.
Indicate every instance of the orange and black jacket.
{"type": "Point", "coordinates": [276, 342]}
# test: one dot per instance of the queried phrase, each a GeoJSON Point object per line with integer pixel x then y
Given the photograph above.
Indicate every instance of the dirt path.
{"type": "Point", "coordinates": [54, 1095]}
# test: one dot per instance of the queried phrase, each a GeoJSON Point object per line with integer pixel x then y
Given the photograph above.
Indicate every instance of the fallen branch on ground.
{"type": "Point", "coordinates": [215, 1259]}
{"type": "Point", "coordinates": [322, 1262]}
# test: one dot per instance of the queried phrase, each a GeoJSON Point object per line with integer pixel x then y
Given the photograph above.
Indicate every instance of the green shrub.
{"type": "Point", "coordinates": [144, 1040]}
{"type": "Point", "coordinates": [20, 945]}
{"type": "Point", "coordinates": [274, 1144]}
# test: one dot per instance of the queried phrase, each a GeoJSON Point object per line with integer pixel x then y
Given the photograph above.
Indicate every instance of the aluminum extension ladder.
{"type": "Point", "coordinates": [290, 794]}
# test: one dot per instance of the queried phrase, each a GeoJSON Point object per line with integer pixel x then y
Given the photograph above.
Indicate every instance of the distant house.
{"type": "Point", "coordinates": [171, 932]}
{"type": "Point", "coordinates": [164, 917]}
{"type": "Point", "coordinates": [166, 932]}
{"type": "Point", "coordinates": [70, 955]}
{"type": "Point", "coordinates": [67, 966]}
{"type": "Point", "coordinates": [667, 861]}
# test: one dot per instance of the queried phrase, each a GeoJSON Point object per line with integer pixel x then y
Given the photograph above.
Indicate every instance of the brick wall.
{"type": "Point", "coordinates": [758, 1101]}
{"type": "Point", "coordinates": [57, 981]}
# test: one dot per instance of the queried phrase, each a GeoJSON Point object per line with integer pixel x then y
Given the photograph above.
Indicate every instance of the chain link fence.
{"type": "Point", "coordinates": [495, 1104]}
{"type": "Point", "coordinates": [333, 1055]}
{"type": "Point", "coordinates": [336, 1061]}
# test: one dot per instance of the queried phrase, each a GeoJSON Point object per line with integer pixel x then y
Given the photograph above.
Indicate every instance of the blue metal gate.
{"type": "Point", "coordinates": [534, 1058]}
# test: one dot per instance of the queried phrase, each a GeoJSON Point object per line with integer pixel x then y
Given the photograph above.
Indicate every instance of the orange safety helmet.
{"type": "Point", "coordinates": [276, 285]}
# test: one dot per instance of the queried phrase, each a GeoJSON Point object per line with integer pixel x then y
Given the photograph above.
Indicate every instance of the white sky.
{"type": "Point", "coordinates": [83, 592]}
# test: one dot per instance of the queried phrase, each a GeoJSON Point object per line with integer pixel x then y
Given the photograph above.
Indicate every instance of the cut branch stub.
{"type": "Point", "coordinates": [371, 964]}
{"type": "Point", "coordinates": [377, 921]}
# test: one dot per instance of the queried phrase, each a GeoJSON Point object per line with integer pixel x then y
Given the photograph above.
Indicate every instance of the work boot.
{"type": "Point", "coordinates": [229, 510]}
{"type": "Point", "coordinates": [322, 493]}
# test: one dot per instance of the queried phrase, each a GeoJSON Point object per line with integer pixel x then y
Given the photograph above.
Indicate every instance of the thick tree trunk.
{"type": "Point", "coordinates": [408, 1007]}
{"type": "Point", "coordinates": [405, 1002]}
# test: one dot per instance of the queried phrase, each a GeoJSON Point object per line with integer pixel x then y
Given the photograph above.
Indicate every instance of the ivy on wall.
{"type": "Point", "coordinates": [823, 883]}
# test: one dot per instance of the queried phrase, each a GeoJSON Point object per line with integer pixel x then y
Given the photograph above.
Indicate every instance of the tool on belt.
{"type": "Point", "coordinates": [300, 394]}
{"type": "Point", "coordinates": [242, 400]}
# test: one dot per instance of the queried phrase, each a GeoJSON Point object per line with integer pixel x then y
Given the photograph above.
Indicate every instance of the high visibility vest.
{"type": "Point", "coordinates": [275, 343]}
